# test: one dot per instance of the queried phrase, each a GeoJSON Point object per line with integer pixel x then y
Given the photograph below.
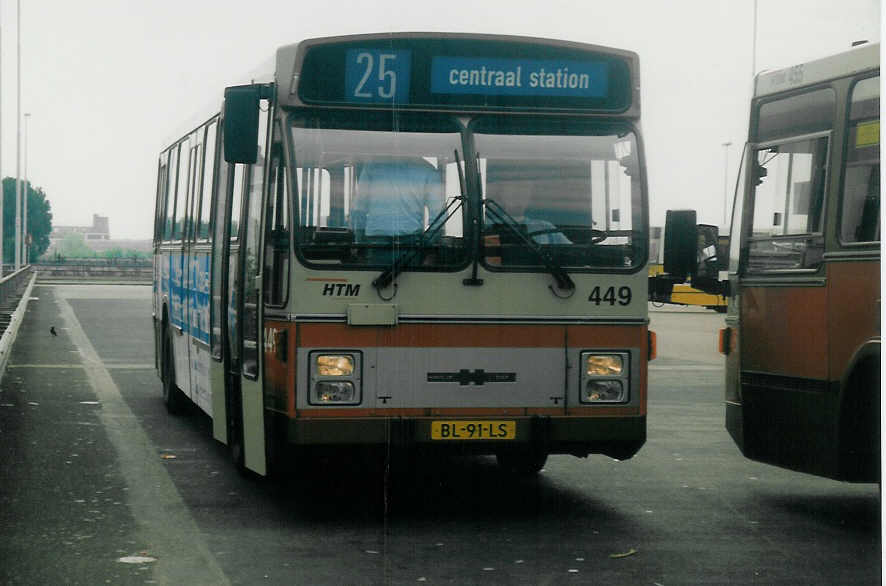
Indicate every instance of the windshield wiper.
{"type": "Point", "coordinates": [425, 238]}
{"type": "Point", "coordinates": [498, 213]}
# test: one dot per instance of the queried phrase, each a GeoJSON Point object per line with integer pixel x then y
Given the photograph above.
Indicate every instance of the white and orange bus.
{"type": "Point", "coordinates": [802, 341]}
{"type": "Point", "coordinates": [421, 240]}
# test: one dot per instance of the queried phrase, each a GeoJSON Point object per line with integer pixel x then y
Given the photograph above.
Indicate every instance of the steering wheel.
{"type": "Point", "coordinates": [597, 236]}
{"type": "Point", "coordinates": [553, 230]}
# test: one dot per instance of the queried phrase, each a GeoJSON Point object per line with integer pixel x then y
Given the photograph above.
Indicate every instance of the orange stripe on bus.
{"type": "Point", "coordinates": [473, 336]}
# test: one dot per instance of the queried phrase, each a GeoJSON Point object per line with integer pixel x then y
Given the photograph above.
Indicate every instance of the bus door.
{"type": "Point", "coordinates": [226, 219]}
{"type": "Point", "coordinates": [247, 293]}
{"type": "Point", "coordinates": [178, 290]}
{"type": "Point", "coordinates": [190, 324]}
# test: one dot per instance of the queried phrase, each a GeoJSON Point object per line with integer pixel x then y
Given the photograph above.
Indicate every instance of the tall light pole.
{"type": "Point", "coordinates": [25, 233]}
{"type": "Point", "coordinates": [725, 180]}
{"type": "Point", "coordinates": [18, 140]}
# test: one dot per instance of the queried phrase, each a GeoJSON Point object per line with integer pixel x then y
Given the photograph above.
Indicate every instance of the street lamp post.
{"type": "Point", "coordinates": [18, 141]}
{"type": "Point", "coordinates": [25, 233]}
{"type": "Point", "coordinates": [725, 180]}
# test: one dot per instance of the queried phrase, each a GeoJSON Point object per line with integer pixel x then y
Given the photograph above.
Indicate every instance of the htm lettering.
{"type": "Point", "coordinates": [341, 290]}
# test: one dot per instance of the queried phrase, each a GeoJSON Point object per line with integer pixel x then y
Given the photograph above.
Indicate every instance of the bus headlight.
{"type": "Point", "coordinates": [605, 377]}
{"type": "Point", "coordinates": [603, 364]}
{"type": "Point", "coordinates": [335, 392]}
{"type": "Point", "coordinates": [335, 378]}
{"type": "Point", "coordinates": [331, 365]}
{"type": "Point", "coordinates": [603, 391]}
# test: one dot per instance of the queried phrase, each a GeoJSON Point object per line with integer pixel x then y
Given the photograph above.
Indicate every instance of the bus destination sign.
{"type": "Point", "coordinates": [519, 77]}
{"type": "Point", "coordinates": [458, 74]}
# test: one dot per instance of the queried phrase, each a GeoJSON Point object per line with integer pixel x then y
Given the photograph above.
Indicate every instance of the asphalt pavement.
{"type": "Point", "coordinates": [99, 485]}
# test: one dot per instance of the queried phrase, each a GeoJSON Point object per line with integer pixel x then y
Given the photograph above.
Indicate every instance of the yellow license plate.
{"type": "Point", "coordinates": [473, 430]}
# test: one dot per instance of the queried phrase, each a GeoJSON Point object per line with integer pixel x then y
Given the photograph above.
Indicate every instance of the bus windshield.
{"type": "Point", "coordinates": [372, 189]}
{"type": "Point", "coordinates": [569, 189]}
{"type": "Point", "coordinates": [375, 191]}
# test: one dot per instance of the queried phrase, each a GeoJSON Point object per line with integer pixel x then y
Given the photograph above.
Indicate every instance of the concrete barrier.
{"type": "Point", "coordinates": [16, 317]}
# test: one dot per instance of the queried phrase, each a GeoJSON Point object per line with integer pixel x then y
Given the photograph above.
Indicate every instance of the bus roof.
{"type": "Point", "coordinates": [862, 58]}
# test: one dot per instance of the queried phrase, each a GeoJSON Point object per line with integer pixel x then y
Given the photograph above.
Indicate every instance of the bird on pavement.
{"type": "Point", "coordinates": [52, 330]}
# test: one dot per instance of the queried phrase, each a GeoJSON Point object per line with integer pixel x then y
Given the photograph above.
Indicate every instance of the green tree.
{"type": "Point", "coordinates": [39, 220]}
{"type": "Point", "coordinates": [73, 245]}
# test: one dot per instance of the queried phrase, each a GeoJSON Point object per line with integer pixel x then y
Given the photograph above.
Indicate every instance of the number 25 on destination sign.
{"type": "Point", "coordinates": [377, 76]}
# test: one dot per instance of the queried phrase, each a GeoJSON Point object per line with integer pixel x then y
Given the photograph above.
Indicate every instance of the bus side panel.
{"type": "Point", "coordinates": [177, 318]}
{"type": "Point", "coordinates": [156, 302]}
{"type": "Point", "coordinates": [788, 328]}
{"type": "Point", "coordinates": [853, 310]}
{"type": "Point", "coordinates": [198, 328]}
{"type": "Point", "coordinates": [734, 409]}
{"type": "Point", "coordinates": [279, 366]}
{"type": "Point", "coordinates": [854, 329]}
{"type": "Point", "coordinates": [788, 407]}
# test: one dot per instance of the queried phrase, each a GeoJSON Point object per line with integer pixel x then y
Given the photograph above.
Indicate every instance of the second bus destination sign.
{"type": "Point", "coordinates": [373, 75]}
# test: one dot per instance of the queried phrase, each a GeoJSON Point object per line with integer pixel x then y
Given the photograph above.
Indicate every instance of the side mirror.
{"type": "Point", "coordinates": [680, 244]}
{"type": "Point", "coordinates": [708, 253]}
{"type": "Point", "coordinates": [241, 124]}
{"type": "Point", "coordinates": [723, 252]}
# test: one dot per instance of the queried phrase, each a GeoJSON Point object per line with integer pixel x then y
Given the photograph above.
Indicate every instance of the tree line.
{"type": "Point", "coordinates": [39, 220]}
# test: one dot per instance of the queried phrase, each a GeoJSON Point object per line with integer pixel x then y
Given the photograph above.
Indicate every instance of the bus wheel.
{"type": "Point", "coordinates": [860, 426]}
{"type": "Point", "coordinates": [173, 398]}
{"type": "Point", "coordinates": [528, 463]}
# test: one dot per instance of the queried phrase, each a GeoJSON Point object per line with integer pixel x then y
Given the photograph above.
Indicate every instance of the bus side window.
{"type": "Point", "coordinates": [276, 262]}
{"type": "Point", "coordinates": [162, 192]}
{"type": "Point", "coordinates": [860, 220]}
{"type": "Point", "coordinates": [184, 160]}
{"type": "Point", "coordinates": [208, 182]}
{"type": "Point", "coordinates": [169, 218]}
{"type": "Point", "coordinates": [193, 184]}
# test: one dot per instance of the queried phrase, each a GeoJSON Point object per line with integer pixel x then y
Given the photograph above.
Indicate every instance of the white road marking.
{"type": "Point", "coordinates": [169, 529]}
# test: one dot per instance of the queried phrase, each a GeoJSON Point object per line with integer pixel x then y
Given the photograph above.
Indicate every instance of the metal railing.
{"type": "Point", "coordinates": [94, 262]}
{"type": "Point", "coordinates": [12, 285]}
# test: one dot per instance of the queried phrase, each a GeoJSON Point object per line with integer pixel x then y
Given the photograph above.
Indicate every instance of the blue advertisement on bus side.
{"type": "Point", "coordinates": [519, 77]}
{"type": "Point", "coordinates": [188, 293]}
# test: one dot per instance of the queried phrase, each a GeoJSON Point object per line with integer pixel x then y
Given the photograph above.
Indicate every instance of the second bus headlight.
{"type": "Point", "coordinates": [335, 378]}
{"type": "Point", "coordinates": [605, 377]}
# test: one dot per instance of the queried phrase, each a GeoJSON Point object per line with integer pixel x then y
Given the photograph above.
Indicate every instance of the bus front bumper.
{"type": "Point", "coordinates": [617, 437]}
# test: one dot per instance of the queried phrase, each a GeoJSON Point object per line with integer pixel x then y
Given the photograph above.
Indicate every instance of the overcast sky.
{"type": "Point", "coordinates": [107, 82]}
